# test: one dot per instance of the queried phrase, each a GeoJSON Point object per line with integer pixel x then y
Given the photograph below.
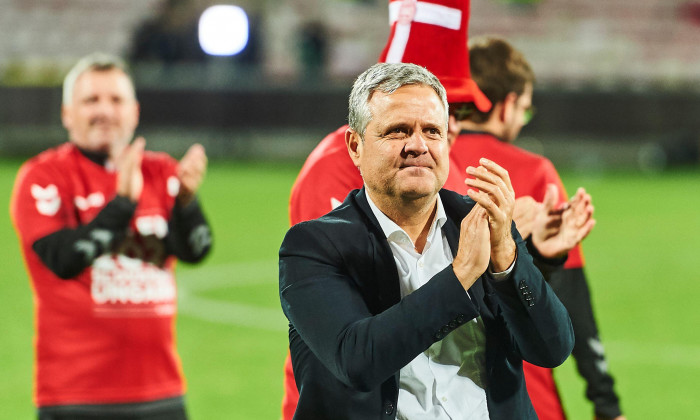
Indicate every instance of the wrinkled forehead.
{"type": "Point", "coordinates": [411, 98]}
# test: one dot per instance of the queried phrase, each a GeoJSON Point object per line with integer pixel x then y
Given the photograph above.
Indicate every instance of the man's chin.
{"type": "Point", "coordinates": [108, 144]}
{"type": "Point", "coordinates": [419, 171]}
{"type": "Point", "coordinates": [416, 190]}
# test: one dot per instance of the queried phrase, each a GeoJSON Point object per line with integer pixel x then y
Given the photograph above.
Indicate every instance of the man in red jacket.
{"type": "Point", "coordinates": [505, 77]}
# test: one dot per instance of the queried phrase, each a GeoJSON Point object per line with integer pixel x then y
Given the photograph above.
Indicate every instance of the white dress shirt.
{"type": "Point", "coordinates": [437, 384]}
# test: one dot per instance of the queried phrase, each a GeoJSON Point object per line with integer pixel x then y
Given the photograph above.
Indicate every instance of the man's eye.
{"type": "Point", "coordinates": [397, 131]}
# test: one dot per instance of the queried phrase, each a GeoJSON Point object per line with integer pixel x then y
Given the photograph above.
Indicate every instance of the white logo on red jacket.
{"type": "Point", "coordinates": [96, 199]}
{"type": "Point", "coordinates": [47, 199]}
{"type": "Point", "coordinates": [123, 286]}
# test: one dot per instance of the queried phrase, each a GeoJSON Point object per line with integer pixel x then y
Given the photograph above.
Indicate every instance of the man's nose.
{"type": "Point", "coordinates": [416, 145]}
{"type": "Point", "coordinates": [105, 108]}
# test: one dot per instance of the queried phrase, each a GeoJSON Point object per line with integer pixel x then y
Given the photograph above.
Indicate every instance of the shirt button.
{"type": "Point", "coordinates": [420, 264]}
{"type": "Point", "coordinates": [444, 399]}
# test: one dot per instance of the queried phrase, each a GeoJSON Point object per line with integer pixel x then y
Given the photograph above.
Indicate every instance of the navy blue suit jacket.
{"type": "Point", "coordinates": [350, 332]}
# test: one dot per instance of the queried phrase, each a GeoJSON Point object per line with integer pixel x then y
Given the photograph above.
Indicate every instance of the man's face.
{"type": "Point", "coordinates": [517, 121]}
{"type": "Point", "coordinates": [404, 154]}
{"type": "Point", "coordinates": [103, 112]}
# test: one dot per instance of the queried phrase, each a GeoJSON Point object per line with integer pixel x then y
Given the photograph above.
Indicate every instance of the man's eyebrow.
{"type": "Point", "coordinates": [433, 125]}
{"type": "Point", "coordinates": [393, 126]}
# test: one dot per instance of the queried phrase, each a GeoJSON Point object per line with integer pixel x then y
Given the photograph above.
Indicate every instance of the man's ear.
{"type": "Point", "coordinates": [66, 117]}
{"type": "Point", "coordinates": [508, 109]}
{"type": "Point", "coordinates": [138, 112]}
{"type": "Point", "coordinates": [353, 141]}
{"type": "Point", "coordinates": [453, 129]}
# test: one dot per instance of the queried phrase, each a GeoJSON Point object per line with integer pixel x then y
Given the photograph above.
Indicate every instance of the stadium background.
{"type": "Point", "coordinates": [618, 105]}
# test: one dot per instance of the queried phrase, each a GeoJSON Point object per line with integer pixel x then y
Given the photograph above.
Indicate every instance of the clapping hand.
{"type": "Point", "coordinates": [496, 196]}
{"type": "Point", "coordinates": [525, 213]}
{"type": "Point", "coordinates": [474, 248]}
{"type": "Point", "coordinates": [129, 175]}
{"type": "Point", "coordinates": [557, 230]}
{"type": "Point", "coordinates": [190, 172]}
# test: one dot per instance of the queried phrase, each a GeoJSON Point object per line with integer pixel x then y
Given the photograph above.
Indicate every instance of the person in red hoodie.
{"type": "Point", "coordinates": [506, 78]}
{"type": "Point", "coordinates": [329, 174]}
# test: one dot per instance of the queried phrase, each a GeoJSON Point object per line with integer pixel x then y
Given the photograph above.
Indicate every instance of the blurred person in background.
{"type": "Point", "coordinates": [506, 78]}
{"type": "Point", "coordinates": [329, 174]}
{"type": "Point", "coordinates": [171, 36]}
{"type": "Point", "coordinates": [101, 223]}
{"type": "Point", "coordinates": [410, 301]}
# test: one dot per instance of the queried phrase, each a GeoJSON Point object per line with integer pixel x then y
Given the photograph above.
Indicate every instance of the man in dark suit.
{"type": "Point", "coordinates": [408, 301]}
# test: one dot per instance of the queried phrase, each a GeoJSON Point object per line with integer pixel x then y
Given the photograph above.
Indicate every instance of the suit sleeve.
{"type": "Point", "coordinates": [325, 306]}
{"type": "Point", "coordinates": [535, 319]}
{"type": "Point", "coordinates": [572, 288]}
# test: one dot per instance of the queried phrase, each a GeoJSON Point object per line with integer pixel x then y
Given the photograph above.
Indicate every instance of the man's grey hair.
{"type": "Point", "coordinates": [387, 78]}
{"type": "Point", "coordinates": [93, 62]}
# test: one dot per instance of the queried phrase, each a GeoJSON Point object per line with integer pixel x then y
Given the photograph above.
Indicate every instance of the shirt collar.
{"type": "Point", "coordinates": [393, 232]}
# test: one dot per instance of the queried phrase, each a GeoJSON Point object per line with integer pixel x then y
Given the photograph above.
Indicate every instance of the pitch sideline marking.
{"type": "Point", "coordinates": [192, 282]}
{"type": "Point", "coordinates": [654, 354]}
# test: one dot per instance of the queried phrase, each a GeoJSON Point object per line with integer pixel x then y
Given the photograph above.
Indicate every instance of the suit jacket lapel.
{"type": "Point", "coordinates": [385, 274]}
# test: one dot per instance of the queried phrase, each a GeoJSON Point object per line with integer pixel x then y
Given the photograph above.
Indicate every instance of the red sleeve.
{"type": "Point", "coordinates": [41, 204]}
{"type": "Point", "coordinates": [291, 394]}
{"type": "Point", "coordinates": [321, 186]}
{"type": "Point", "coordinates": [552, 177]}
{"type": "Point", "coordinates": [455, 178]}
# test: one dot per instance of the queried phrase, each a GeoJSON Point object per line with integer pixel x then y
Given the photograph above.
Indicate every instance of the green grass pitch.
{"type": "Point", "coordinates": [641, 261]}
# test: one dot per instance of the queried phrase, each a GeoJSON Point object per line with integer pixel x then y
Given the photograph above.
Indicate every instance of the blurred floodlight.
{"type": "Point", "coordinates": [223, 30]}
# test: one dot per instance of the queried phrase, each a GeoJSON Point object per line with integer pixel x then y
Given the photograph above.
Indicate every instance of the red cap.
{"type": "Point", "coordinates": [433, 34]}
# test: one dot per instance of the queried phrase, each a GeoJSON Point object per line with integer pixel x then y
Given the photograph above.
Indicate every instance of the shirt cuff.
{"type": "Point", "coordinates": [503, 275]}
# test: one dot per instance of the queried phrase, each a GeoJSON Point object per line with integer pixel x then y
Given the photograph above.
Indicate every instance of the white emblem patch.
{"type": "Point", "coordinates": [173, 186]}
{"type": "Point", "coordinates": [47, 199]}
{"type": "Point", "coordinates": [96, 199]}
